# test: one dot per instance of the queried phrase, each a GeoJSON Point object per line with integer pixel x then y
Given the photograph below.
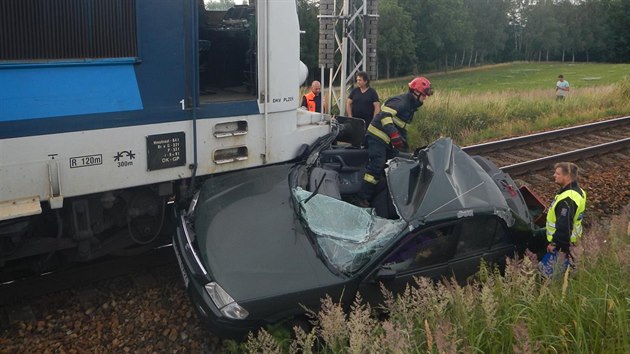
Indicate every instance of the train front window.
{"type": "Point", "coordinates": [227, 51]}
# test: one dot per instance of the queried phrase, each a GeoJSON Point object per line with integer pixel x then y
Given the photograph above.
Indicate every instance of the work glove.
{"type": "Point", "coordinates": [397, 141]}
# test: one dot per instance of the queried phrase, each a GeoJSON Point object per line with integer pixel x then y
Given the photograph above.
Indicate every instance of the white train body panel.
{"type": "Point", "coordinates": [91, 161]}
{"type": "Point", "coordinates": [73, 163]}
{"type": "Point", "coordinates": [107, 113]}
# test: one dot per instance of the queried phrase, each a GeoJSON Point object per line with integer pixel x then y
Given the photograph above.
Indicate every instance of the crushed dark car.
{"type": "Point", "coordinates": [257, 246]}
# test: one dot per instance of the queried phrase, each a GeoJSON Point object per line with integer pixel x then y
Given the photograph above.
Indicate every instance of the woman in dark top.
{"type": "Point", "coordinates": [363, 100]}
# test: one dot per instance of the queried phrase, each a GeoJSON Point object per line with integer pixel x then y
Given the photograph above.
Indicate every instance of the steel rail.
{"type": "Point", "coordinates": [543, 162]}
{"type": "Point", "coordinates": [101, 269]}
{"type": "Point", "coordinates": [537, 137]}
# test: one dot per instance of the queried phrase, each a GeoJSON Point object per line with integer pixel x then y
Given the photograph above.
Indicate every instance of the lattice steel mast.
{"type": "Point", "coordinates": [347, 44]}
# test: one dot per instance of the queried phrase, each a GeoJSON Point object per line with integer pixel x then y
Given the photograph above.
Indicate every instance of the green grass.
{"type": "Point", "coordinates": [514, 77]}
{"type": "Point", "coordinates": [585, 310]}
{"type": "Point", "coordinates": [487, 103]}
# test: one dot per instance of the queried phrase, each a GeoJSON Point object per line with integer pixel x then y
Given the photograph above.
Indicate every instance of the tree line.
{"type": "Point", "coordinates": [425, 35]}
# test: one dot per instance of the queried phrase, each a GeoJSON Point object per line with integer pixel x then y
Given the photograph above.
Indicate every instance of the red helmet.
{"type": "Point", "coordinates": [421, 86]}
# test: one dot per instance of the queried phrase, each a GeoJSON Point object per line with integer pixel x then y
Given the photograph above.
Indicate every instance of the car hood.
{"type": "Point", "coordinates": [442, 183]}
{"type": "Point", "coordinates": [250, 240]}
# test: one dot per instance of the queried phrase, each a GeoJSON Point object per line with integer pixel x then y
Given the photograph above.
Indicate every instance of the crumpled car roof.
{"type": "Point", "coordinates": [444, 182]}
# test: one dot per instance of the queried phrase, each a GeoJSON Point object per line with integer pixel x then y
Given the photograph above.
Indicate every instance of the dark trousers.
{"type": "Point", "coordinates": [378, 154]}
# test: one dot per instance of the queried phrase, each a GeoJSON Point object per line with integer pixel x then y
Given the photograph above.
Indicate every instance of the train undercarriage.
{"type": "Point", "coordinates": [120, 223]}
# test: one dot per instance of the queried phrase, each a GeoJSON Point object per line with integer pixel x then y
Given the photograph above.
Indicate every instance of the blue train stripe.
{"type": "Point", "coordinates": [43, 91]}
{"type": "Point", "coordinates": [32, 127]}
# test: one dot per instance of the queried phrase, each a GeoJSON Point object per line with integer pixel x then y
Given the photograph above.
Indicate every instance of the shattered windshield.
{"type": "Point", "coordinates": [347, 235]}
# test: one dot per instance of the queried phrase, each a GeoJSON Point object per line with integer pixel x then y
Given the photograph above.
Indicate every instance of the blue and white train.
{"type": "Point", "coordinates": [110, 108]}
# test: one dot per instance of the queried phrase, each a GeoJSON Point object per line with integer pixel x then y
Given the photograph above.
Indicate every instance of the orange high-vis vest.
{"type": "Point", "coordinates": [310, 101]}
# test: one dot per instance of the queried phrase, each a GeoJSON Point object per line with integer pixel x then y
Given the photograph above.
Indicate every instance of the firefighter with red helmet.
{"type": "Point", "coordinates": [387, 134]}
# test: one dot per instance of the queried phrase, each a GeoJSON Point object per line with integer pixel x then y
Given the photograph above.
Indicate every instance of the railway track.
{"type": "Point", "coordinates": [143, 297]}
{"type": "Point", "coordinates": [85, 274]}
{"type": "Point", "coordinates": [524, 154]}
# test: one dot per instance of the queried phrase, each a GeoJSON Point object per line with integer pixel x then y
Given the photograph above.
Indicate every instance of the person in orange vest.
{"type": "Point", "coordinates": [313, 100]}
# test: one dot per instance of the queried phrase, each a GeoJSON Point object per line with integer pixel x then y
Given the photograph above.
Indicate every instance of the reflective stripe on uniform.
{"type": "Point", "coordinates": [389, 110]}
{"type": "Point", "coordinates": [577, 232]}
{"type": "Point", "coordinates": [387, 120]}
{"type": "Point", "coordinates": [580, 202]}
{"type": "Point", "coordinates": [369, 178]}
{"type": "Point", "coordinates": [550, 226]}
{"type": "Point", "coordinates": [400, 123]}
{"type": "Point", "coordinates": [379, 133]}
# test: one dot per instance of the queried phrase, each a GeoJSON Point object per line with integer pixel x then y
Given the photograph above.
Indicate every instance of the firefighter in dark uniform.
{"type": "Point", "coordinates": [564, 218]}
{"type": "Point", "coordinates": [387, 134]}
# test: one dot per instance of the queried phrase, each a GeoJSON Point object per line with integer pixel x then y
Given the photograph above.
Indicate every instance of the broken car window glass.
{"type": "Point", "coordinates": [347, 235]}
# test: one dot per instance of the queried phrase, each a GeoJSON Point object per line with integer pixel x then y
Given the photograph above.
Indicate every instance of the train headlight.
{"type": "Point", "coordinates": [224, 302]}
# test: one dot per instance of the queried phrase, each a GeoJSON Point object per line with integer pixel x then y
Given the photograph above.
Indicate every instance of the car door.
{"type": "Point", "coordinates": [425, 253]}
{"type": "Point", "coordinates": [479, 238]}
{"type": "Point", "coordinates": [502, 244]}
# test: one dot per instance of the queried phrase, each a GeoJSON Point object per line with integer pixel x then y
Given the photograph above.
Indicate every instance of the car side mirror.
{"type": "Point", "coordinates": [386, 273]}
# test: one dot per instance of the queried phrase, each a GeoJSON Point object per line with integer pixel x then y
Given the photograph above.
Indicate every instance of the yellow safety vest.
{"type": "Point", "coordinates": [580, 201]}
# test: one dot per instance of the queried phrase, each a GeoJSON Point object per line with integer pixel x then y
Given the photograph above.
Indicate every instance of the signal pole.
{"type": "Point", "coordinates": [348, 30]}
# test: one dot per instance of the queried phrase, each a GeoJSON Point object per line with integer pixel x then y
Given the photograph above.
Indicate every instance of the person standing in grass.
{"type": "Point", "coordinates": [562, 88]}
{"type": "Point", "coordinates": [387, 134]}
{"type": "Point", "coordinates": [363, 101]}
{"type": "Point", "coordinates": [564, 218]}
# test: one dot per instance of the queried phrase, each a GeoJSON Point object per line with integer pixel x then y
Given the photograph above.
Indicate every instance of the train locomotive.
{"type": "Point", "coordinates": [110, 109]}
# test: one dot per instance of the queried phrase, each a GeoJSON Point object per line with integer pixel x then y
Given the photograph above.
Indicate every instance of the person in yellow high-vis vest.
{"type": "Point", "coordinates": [564, 218]}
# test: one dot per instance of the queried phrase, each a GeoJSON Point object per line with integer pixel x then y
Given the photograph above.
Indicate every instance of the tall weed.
{"type": "Point", "coordinates": [624, 88]}
{"type": "Point", "coordinates": [583, 311]}
{"type": "Point", "coordinates": [471, 118]}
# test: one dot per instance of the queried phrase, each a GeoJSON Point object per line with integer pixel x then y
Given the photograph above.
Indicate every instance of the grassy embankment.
{"type": "Point", "coordinates": [584, 311]}
{"type": "Point", "coordinates": [504, 100]}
